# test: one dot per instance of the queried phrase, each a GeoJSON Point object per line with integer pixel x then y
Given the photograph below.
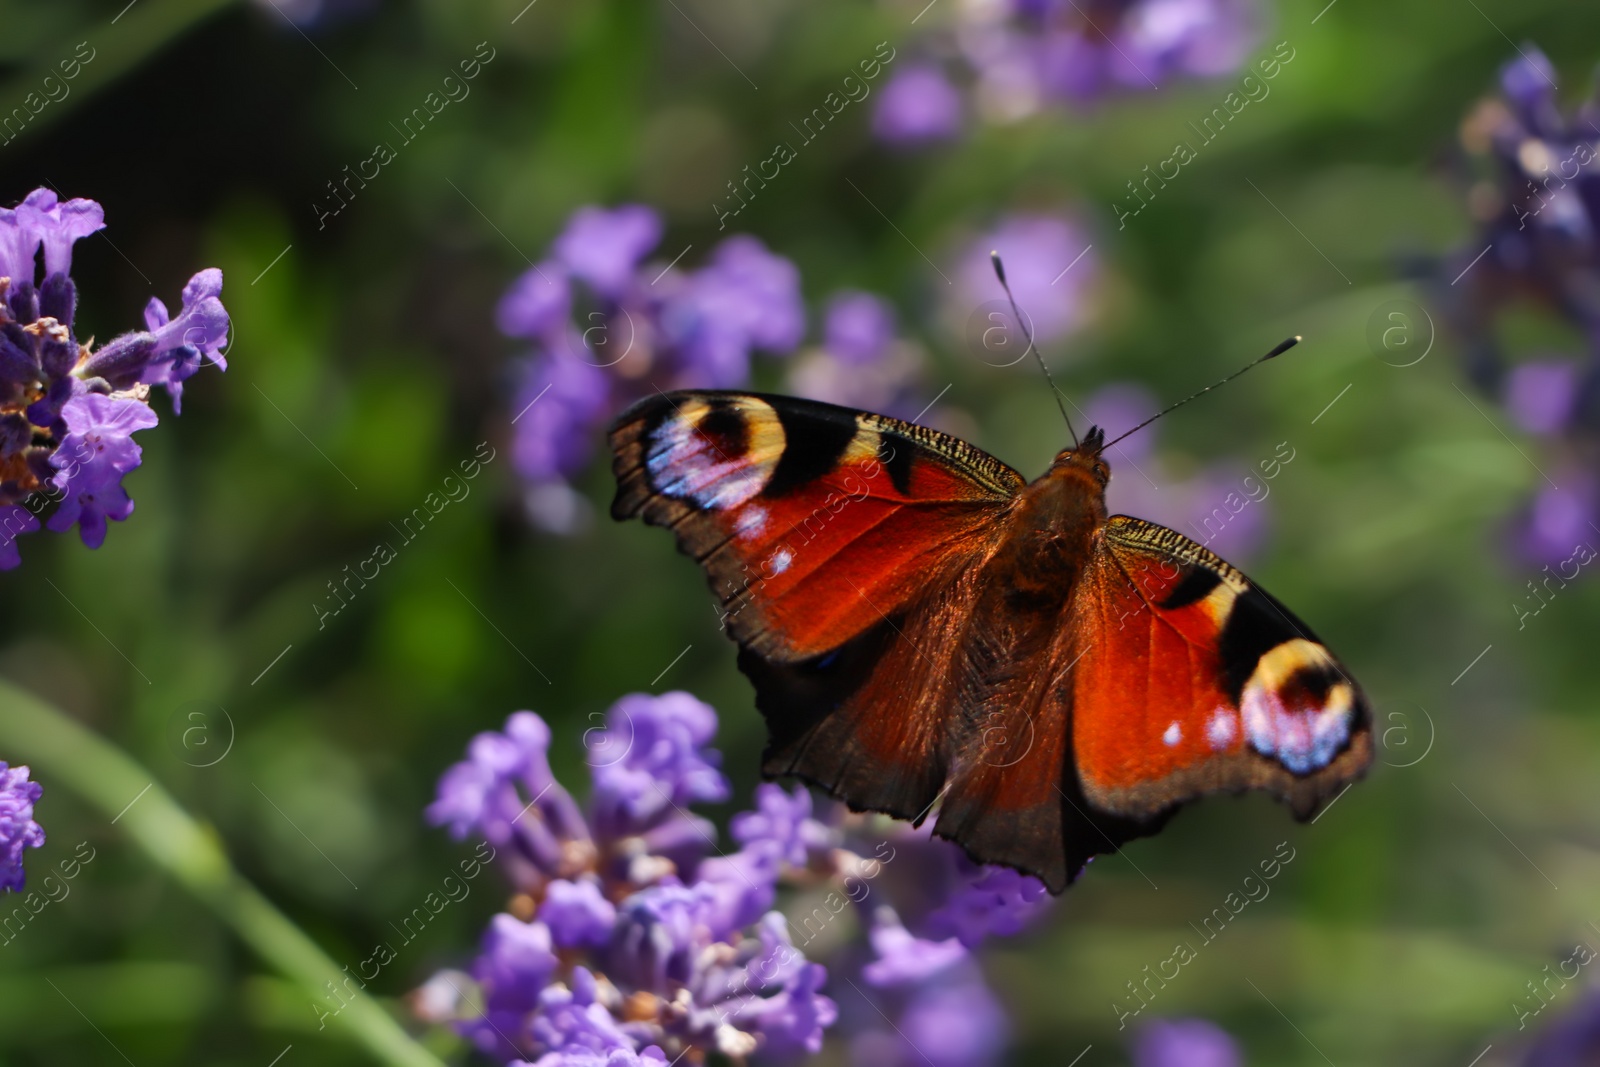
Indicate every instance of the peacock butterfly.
{"type": "Point", "coordinates": [923, 627]}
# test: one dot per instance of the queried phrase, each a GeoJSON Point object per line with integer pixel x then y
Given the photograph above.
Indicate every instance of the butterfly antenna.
{"type": "Point", "coordinates": [1000, 272]}
{"type": "Point", "coordinates": [1278, 351]}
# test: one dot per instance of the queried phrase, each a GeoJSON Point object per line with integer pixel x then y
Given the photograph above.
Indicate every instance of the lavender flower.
{"type": "Point", "coordinates": [861, 363]}
{"type": "Point", "coordinates": [782, 822]}
{"type": "Point", "coordinates": [1049, 265]}
{"type": "Point", "coordinates": [946, 1014]}
{"type": "Point", "coordinates": [1184, 1043]}
{"type": "Point", "coordinates": [1550, 527]}
{"type": "Point", "coordinates": [1537, 196]}
{"type": "Point", "coordinates": [603, 248]}
{"type": "Point", "coordinates": [1025, 54]}
{"type": "Point", "coordinates": [1541, 395]}
{"type": "Point", "coordinates": [67, 414]}
{"type": "Point", "coordinates": [917, 106]}
{"type": "Point", "coordinates": [642, 943]}
{"type": "Point", "coordinates": [17, 828]}
{"type": "Point", "coordinates": [96, 452]}
{"type": "Point", "coordinates": [605, 328]}
{"type": "Point", "coordinates": [956, 1022]}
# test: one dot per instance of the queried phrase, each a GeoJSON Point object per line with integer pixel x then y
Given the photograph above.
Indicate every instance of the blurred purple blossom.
{"type": "Point", "coordinates": [17, 828]}
{"type": "Point", "coordinates": [1535, 191]}
{"type": "Point", "coordinates": [783, 820]}
{"type": "Point", "coordinates": [956, 1022]}
{"type": "Point", "coordinates": [1571, 1040]}
{"type": "Point", "coordinates": [67, 412]}
{"type": "Point", "coordinates": [917, 105]}
{"type": "Point", "coordinates": [605, 328]}
{"type": "Point", "coordinates": [903, 958]}
{"type": "Point", "coordinates": [861, 363]}
{"type": "Point", "coordinates": [603, 248]}
{"type": "Point", "coordinates": [857, 326]}
{"type": "Point", "coordinates": [1049, 263]}
{"type": "Point", "coordinates": [1558, 519]}
{"type": "Point", "coordinates": [1184, 1043]}
{"type": "Point", "coordinates": [1025, 54]}
{"type": "Point", "coordinates": [1540, 395]}
{"type": "Point", "coordinates": [946, 1014]}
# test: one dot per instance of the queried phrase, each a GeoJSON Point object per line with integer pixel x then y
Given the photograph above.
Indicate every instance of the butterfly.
{"type": "Point", "coordinates": [925, 628]}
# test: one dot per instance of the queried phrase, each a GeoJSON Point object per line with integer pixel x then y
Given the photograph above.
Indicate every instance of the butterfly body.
{"type": "Point", "coordinates": [923, 628]}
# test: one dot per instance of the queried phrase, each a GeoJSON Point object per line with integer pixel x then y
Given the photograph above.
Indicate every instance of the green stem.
{"type": "Point", "coordinates": [61, 751]}
{"type": "Point", "coordinates": [141, 30]}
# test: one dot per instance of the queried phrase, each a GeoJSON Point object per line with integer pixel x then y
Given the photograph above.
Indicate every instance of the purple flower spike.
{"type": "Point", "coordinates": [537, 304]}
{"type": "Point", "coordinates": [1048, 264]}
{"type": "Point", "coordinates": [917, 106]}
{"type": "Point", "coordinates": [650, 762]}
{"type": "Point", "coordinates": [782, 822]}
{"type": "Point", "coordinates": [581, 1057]}
{"type": "Point", "coordinates": [626, 959]}
{"type": "Point", "coordinates": [858, 327]}
{"type": "Point", "coordinates": [1558, 521]}
{"type": "Point", "coordinates": [904, 958]}
{"type": "Point", "coordinates": [17, 828]}
{"type": "Point", "coordinates": [559, 400]}
{"type": "Point", "coordinates": [604, 247]}
{"type": "Point", "coordinates": [955, 1023]}
{"type": "Point", "coordinates": [57, 224]}
{"type": "Point", "coordinates": [989, 900]}
{"type": "Point", "coordinates": [1529, 81]}
{"type": "Point", "coordinates": [571, 1019]}
{"type": "Point", "coordinates": [182, 344]}
{"type": "Point", "coordinates": [577, 913]}
{"type": "Point", "coordinates": [1185, 1043]}
{"type": "Point", "coordinates": [14, 520]}
{"type": "Point", "coordinates": [67, 413]}
{"type": "Point", "coordinates": [97, 451]}
{"type": "Point", "coordinates": [506, 791]}
{"type": "Point", "coordinates": [1541, 395]}
{"type": "Point", "coordinates": [746, 298]}
{"type": "Point", "coordinates": [517, 959]}
{"type": "Point", "coordinates": [19, 244]}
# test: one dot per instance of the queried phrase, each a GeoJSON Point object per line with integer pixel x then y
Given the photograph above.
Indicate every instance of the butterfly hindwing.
{"type": "Point", "coordinates": [1193, 680]}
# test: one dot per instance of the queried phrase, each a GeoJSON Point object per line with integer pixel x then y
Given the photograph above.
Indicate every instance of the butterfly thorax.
{"type": "Point", "coordinates": [1048, 538]}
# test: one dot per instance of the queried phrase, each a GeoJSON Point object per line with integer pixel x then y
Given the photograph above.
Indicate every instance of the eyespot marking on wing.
{"type": "Point", "coordinates": [716, 453]}
{"type": "Point", "coordinates": [1297, 707]}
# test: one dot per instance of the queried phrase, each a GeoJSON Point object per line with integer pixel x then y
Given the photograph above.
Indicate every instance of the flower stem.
{"type": "Point", "coordinates": [63, 752]}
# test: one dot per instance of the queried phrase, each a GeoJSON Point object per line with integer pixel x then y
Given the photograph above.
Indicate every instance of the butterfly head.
{"type": "Point", "coordinates": [1085, 457]}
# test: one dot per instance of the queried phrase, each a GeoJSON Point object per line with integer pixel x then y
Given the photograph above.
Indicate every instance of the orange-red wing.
{"type": "Point", "coordinates": [814, 523]}
{"type": "Point", "coordinates": [1191, 680]}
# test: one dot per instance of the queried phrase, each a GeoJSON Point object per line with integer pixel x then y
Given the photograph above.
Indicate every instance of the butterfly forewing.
{"type": "Point", "coordinates": [813, 522]}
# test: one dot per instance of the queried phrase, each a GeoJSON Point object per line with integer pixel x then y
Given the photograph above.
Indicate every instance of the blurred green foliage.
{"type": "Point", "coordinates": [367, 365]}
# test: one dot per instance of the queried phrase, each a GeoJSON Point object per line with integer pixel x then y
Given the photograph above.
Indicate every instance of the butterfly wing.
{"type": "Point", "coordinates": [844, 548]}
{"type": "Point", "coordinates": [1193, 680]}
{"type": "Point", "coordinates": [812, 522]}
